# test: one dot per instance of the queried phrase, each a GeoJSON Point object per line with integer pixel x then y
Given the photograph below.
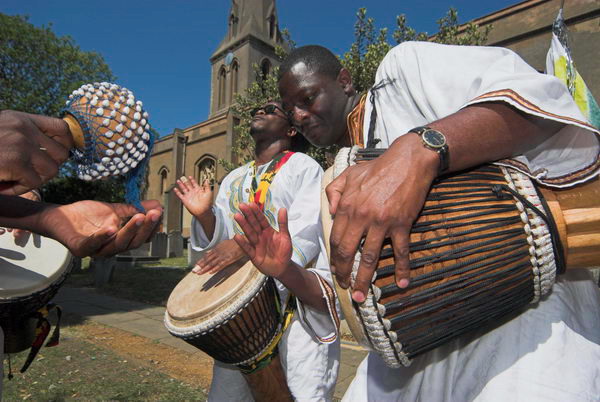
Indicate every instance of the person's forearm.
{"type": "Point", "coordinates": [20, 213]}
{"type": "Point", "coordinates": [489, 132]}
{"type": "Point", "coordinates": [208, 222]}
{"type": "Point", "coordinates": [304, 285]}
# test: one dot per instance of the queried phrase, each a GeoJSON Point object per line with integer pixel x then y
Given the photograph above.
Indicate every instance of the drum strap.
{"type": "Point", "coordinates": [259, 189]}
{"type": "Point", "coordinates": [272, 350]}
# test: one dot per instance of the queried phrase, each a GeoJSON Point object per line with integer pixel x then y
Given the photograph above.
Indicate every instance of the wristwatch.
{"type": "Point", "coordinates": [435, 141]}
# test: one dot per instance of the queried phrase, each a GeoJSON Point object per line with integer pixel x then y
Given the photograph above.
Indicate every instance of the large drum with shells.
{"type": "Point", "coordinates": [487, 244]}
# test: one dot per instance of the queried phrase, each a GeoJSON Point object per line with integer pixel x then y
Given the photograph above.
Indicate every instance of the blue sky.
{"type": "Point", "coordinates": [160, 49]}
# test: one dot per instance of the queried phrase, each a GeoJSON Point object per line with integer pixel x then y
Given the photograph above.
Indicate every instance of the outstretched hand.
{"type": "Point", "coordinates": [269, 250]}
{"type": "Point", "coordinates": [100, 229]}
{"type": "Point", "coordinates": [378, 199]}
{"type": "Point", "coordinates": [197, 199]}
{"type": "Point", "coordinates": [221, 256]}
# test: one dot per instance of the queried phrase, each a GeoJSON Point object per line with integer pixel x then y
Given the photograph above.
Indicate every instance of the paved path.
{"type": "Point", "coordinates": [147, 321]}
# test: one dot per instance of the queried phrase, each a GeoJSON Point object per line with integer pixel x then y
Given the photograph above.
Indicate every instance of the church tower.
{"type": "Point", "coordinates": [251, 37]}
{"type": "Point", "coordinates": [252, 34]}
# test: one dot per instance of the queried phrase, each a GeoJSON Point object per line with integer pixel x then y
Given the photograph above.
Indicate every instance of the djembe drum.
{"type": "Point", "coordinates": [235, 317]}
{"type": "Point", "coordinates": [30, 276]}
{"type": "Point", "coordinates": [487, 243]}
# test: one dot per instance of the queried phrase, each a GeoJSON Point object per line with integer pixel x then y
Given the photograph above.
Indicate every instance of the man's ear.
{"type": "Point", "coordinates": [292, 131]}
{"type": "Point", "coordinates": [345, 80]}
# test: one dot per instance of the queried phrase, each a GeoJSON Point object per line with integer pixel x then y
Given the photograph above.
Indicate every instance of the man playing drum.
{"type": "Point", "coordinates": [479, 104]}
{"type": "Point", "coordinates": [275, 179]}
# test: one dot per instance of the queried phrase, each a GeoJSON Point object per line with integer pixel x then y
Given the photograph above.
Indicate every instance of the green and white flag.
{"type": "Point", "coordinates": [560, 64]}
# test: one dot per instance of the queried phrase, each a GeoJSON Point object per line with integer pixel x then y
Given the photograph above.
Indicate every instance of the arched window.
{"type": "Point", "coordinates": [222, 86]}
{"type": "Point", "coordinates": [265, 68]}
{"type": "Point", "coordinates": [272, 26]}
{"type": "Point", "coordinates": [164, 184]}
{"type": "Point", "coordinates": [206, 170]}
{"type": "Point", "coordinates": [233, 20]}
{"type": "Point", "coordinates": [235, 67]}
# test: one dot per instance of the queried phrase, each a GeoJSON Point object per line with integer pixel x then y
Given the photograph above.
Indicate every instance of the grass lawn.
{"type": "Point", "coordinates": [79, 370]}
{"type": "Point", "coordinates": [147, 283]}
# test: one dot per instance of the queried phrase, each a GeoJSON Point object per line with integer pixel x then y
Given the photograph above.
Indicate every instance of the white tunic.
{"type": "Point", "coordinates": [309, 349]}
{"type": "Point", "coordinates": [551, 352]}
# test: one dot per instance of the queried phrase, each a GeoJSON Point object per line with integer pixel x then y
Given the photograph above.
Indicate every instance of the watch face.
{"type": "Point", "coordinates": [434, 139]}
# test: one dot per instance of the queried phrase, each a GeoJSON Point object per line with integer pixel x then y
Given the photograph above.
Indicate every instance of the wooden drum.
{"type": "Point", "coordinates": [235, 317]}
{"type": "Point", "coordinates": [484, 246]}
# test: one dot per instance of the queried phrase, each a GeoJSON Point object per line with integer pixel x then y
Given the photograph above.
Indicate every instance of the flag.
{"type": "Point", "coordinates": [560, 64]}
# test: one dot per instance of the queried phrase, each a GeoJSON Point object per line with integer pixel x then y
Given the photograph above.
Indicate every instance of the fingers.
{"type": "Point", "coordinates": [132, 235]}
{"type": "Point", "coordinates": [242, 241]}
{"type": "Point", "coordinates": [344, 243]}
{"type": "Point", "coordinates": [400, 243]}
{"type": "Point", "coordinates": [56, 129]}
{"type": "Point", "coordinates": [334, 191]}
{"type": "Point", "coordinates": [369, 259]}
{"type": "Point", "coordinates": [282, 218]}
{"type": "Point", "coordinates": [248, 222]}
{"type": "Point", "coordinates": [183, 185]}
{"type": "Point", "coordinates": [54, 149]}
{"type": "Point", "coordinates": [93, 244]}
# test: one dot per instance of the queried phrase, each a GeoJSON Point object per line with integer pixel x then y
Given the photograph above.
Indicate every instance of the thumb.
{"type": "Point", "coordinates": [334, 192]}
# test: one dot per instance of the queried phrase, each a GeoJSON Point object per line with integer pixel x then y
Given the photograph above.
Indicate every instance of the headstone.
{"type": "Point", "coordinates": [174, 244]}
{"type": "Point", "coordinates": [103, 270]}
{"type": "Point", "coordinates": [158, 245]}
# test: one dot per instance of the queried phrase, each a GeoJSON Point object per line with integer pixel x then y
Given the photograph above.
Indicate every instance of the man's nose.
{"type": "Point", "coordinates": [298, 115]}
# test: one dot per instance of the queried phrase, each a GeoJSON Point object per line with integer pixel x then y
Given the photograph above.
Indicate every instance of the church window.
{"type": "Point", "coordinates": [164, 184]}
{"type": "Point", "coordinates": [222, 81]}
{"type": "Point", "coordinates": [234, 78]}
{"type": "Point", "coordinates": [206, 170]}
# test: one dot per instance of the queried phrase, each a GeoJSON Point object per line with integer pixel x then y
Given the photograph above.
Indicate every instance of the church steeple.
{"type": "Point", "coordinates": [252, 34]}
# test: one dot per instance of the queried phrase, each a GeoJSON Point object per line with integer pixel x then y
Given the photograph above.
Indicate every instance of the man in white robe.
{"type": "Point", "coordinates": [309, 349]}
{"type": "Point", "coordinates": [491, 106]}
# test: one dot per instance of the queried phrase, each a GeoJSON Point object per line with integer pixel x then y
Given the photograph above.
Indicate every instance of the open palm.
{"type": "Point", "coordinates": [269, 250]}
{"type": "Point", "coordinates": [94, 228]}
{"type": "Point", "coordinates": [197, 199]}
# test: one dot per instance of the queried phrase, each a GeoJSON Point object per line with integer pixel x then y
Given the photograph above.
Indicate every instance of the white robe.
{"type": "Point", "coordinates": [309, 349]}
{"type": "Point", "coordinates": [551, 352]}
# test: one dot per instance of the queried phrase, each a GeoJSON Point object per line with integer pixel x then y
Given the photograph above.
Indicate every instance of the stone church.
{"type": "Point", "coordinates": [252, 34]}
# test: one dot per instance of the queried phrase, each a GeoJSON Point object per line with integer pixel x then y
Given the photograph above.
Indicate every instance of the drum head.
{"type": "Point", "coordinates": [199, 298]}
{"type": "Point", "coordinates": [30, 265]}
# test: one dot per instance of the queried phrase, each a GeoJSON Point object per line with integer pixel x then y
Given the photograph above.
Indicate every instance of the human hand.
{"type": "Point", "coordinates": [100, 229]}
{"type": "Point", "coordinates": [378, 199]}
{"type": "Point", "coordinates": [269, 250]}
{"type": "Point", "coordinates": [33, 148]}
{"type": "Point", "coordinates": [221, 256]}
{"type": "Point", "coordinates": [197, 199]}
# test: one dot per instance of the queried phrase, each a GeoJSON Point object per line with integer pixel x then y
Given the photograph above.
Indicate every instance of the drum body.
{"type": "Point", "coordinates": [480, 250]}
{"type": "Point", "coordinates": [233, 315]}
{"type": "Point", "coordinates": [31, 272]}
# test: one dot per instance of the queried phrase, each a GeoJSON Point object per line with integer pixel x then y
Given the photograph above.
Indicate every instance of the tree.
{"type": "Point", "coordinates": [370, 46]}
{"type": "Point", "coordinates": [362, 59]}
{"type": "Point", "coordinates": [38, 71]}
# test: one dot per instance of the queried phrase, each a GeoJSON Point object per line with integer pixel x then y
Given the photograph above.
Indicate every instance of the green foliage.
{"type": "Point", "coordinates": [67, 188]}
{"type": "Point", "coordinates": [38, 71]}
{"type": "Point", "coordinates": [370, 46]}
{"type": "Point", "coordinates": [365, 54]}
